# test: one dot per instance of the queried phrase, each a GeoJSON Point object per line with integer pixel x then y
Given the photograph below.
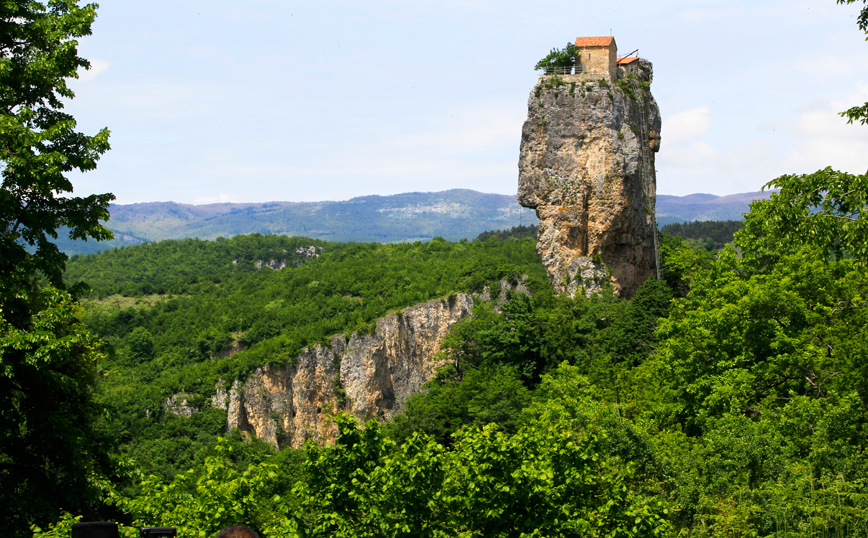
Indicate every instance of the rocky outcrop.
{"type": "Point", "coordinates": [309, 252]}
{"type": "Point", "coordinates": [178, 404]}
{"type": "Point", "coordinates": [302, 254]}
{"type": "Point", "coordinates": [587, 168]}
{"type": "Point", "coordinates": [367, 375]}
{"type": "Point", "coordinates": [229, 350]}
{"type": "Point", "coordinates": [276, 265]}
{"type": "Point", "coordinates": [220, 398]}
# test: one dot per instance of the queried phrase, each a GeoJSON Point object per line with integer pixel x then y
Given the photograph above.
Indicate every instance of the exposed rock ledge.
{"type": "Point", "coordinates": [366, 375]}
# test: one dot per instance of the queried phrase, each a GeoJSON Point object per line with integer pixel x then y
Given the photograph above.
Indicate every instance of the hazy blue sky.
{"type": "Point", "coordinates": [279, 100]}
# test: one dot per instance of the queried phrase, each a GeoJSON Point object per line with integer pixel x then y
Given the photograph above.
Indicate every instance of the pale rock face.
{"type": "Point", "coordinates": [305, 252]}
{"type": "Point", "coordinates": [220, 399]}
{"type": "Point", "coordinates": [506, 286]}
{"type": "Point", "coordinates": [366, 375]}
{"type": "Point", "coordinates": [309, 252]}
{"type": "Point", "coordinates": [177, 404]}
{"type": "Point", "coordinates": [276, 265]}
{"type": "Point", "coordinates": [587, 168]}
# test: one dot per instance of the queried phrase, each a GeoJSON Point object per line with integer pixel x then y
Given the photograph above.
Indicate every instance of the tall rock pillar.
{"type": "Point", "coordinates": [587, 168]}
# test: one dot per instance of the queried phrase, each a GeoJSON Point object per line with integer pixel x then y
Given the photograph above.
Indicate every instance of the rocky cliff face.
{"type": "Point", "coordinates": [366, 375]}
{"type": "Point", "coordinates": [178, 404]}
{"type": "Point", "coordinates": [587, 168]}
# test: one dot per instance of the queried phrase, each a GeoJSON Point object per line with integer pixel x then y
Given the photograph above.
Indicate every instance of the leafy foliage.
{"type": "Point", "coordinates": [517, 232]}
{"type": "Point", "coordinates": [859, 113]}
{"type": "Point", "coordinates": [544, 480]}
{"type": "Point", "coordinates": [201, 503]}
{"type": "Point", "coordinates": [38, 52]}
{"type": "Point", "coordinates": [557, 60]}
{"type": "Point", "coordinates": [758, 388]}
{"type": "Point", "coordinates": [216, 317]}
{"type": "Point", "coordinates": [482, 396]}
{"type": "Point", "coordinates": [710, 235]}
{"type": "Point", "coordinates": [826, 211]}
{"type": "Point", "coordinates": [49, 448]}
{"type": "Point", "coordinates": [497, 358]}
{"type": "Point", "coordinates": [737, 344]}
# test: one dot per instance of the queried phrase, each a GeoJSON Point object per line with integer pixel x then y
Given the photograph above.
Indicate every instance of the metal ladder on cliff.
{"type": "Point", "coordinates": [645, 141]}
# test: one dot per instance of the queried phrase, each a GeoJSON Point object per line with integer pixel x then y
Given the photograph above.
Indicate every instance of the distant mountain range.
{"type": "Point", "coordinates": [417, 216]}
{"type": "Point", "coordinates": [705, 206]}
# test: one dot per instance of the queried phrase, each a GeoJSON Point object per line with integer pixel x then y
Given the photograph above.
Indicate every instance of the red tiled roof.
{"type": "Point", "coordinates": [628, 60]}
{"type": "Point", "coordinates": [594, 41]}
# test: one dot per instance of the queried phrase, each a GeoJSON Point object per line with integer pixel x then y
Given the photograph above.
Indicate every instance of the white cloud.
{"type": "Point", "coordinates": [683, 156]}
{"type": "Point", "coordinates": [687, 125]}
{"type": "Point", "coordinates": [825, 139]}
{"type": "Point", "coordinates": [814, 137]}
{"type": "Point", "coordinates": [819, 66]}
{"type": "Point", "coordinates": [262, 103]}
{"type": "Point", "coordinates": [97, 67]}
{"type": "Point", "coordinates": [694, 154]}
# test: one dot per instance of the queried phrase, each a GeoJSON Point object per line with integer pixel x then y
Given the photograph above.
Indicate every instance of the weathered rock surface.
{"type": "Point", "coordinates": [178, 404]}
{"type": "Point", "coordinates": [366, 375]}
{"type": "Point", "coordinates": [587, 168]}
{"type": "Point", "coordinates": [220, 398]}
{"type": "Point", "coordinates": [302, 254]}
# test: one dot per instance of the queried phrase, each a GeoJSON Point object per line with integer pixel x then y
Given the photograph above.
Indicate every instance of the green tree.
{"type": "Point", "coordinates": [481, 396]}
{"type": "Point", "coordinates": [826, 211]}
{"type": "Point", "coordinates": [39, 144]}
{"type": "Point", "coordinates": [558, 60]}
{"type": "Point", "coordinates": [48, 447]}
{"type": "Point", "coordinates": [859, 113]}
{"type": "Point", "coordinates": [141, 345]}
{"type": "Point", "coordinates": [551, 478]}
{"type": "Point", "coordinates": [202, 501]}
{"type": "Point", "coordinates": [740, 342]}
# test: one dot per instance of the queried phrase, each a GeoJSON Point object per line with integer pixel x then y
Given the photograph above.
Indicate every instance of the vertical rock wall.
{"type": "Point", "coordinates": [366, 375]}
{"type": "Point", "coordinates": [587, 168]}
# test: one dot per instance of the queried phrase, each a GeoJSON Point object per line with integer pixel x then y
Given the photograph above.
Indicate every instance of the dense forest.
{"type": "Point", "coordinates": [709, 234]}
{"type": "Point", "coordinates": [517, 232]}
{"type": "Point", "coordinates": [165, 312]}
{"type": "Point", "coordinates": [728, 399]}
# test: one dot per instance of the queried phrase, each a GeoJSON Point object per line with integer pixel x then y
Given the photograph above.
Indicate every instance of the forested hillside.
{"type": "Point", "coordinates": [710, 235]}
{"type": "Point", "coordinates": [170, 311]}
{"type": "Point", "coordinates": [728, 399]}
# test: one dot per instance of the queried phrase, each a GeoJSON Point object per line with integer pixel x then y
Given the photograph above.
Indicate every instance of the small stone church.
{"type": "Point", "coordinates": [598, 57]}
